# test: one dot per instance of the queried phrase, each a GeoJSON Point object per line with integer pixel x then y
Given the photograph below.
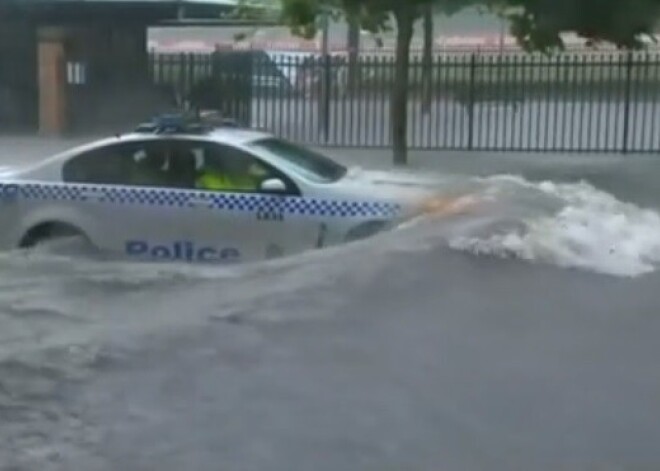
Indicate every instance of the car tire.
{"type": "Point", "coordinates": [51, 231]}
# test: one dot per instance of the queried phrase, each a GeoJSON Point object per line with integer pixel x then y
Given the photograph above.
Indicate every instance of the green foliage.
{"type": "Point", "coordinates": [537, 24]}
{"type": "Point", "coordinates": [302, 16]}
{"type": "Point", "coordinates": [257, 10]}
{"type": "Point", "coordinates": [374, 16]}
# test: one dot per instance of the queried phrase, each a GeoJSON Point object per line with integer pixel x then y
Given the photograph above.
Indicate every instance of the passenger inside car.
{"type": "Point", "coordinates": [149, 168]}
{"type": "Point", "coordinates": [182, 169]}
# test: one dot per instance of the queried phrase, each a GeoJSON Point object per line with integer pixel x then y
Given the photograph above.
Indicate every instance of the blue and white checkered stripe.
{"type": "Point", "coordinates": [220, 201]}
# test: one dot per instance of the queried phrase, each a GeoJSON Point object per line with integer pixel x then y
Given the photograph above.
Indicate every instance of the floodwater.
{"type": "Point", "coordinates": [523, 336]}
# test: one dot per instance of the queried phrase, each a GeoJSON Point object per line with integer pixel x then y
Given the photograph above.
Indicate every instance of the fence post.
{"type": "Point", "coordinates": [151, 62]}
{"type": "Point", "coordinates": [471, 92]}
{"type": "Point", "coordinates": [626, 104]}
{"type": "Point", "coordinates": [193, 64]}
{"type": "Point", "coordinates": [181, 80]}
{"type": "Point", "coordinates": [324, 120]}
{"type": "Point", "coordinates": [327, 83]}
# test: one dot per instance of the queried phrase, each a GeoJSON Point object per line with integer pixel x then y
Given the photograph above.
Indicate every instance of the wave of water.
{"type": "Point", "coordinates": [55, 296]}
{"type": "Point", "coordinates": [570, 225]}
{"type": "Point", "coordinates": [65, 314]}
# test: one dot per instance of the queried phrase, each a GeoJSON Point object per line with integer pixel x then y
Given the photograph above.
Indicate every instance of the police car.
{"type": "Point", "coordinates": [134, 195]}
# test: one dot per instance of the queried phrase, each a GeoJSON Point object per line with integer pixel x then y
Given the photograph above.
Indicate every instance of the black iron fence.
{"type": "Point", "coordinates": [569, 102]}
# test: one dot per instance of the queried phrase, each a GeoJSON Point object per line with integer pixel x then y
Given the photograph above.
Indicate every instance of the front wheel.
{"type": "Point", "coordinates": [57, 238]}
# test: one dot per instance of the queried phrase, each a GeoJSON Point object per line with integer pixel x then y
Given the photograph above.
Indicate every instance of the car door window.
{"type": "Point", "coordinates": [143, 163]}
{"type": "Point", "coordinates": [219, 167]}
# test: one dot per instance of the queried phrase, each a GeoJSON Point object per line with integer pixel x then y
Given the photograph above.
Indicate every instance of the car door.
{"type": "Point", "coordinates": [128, 202]}
{"type": "Point", "coordinates": [246, 225]}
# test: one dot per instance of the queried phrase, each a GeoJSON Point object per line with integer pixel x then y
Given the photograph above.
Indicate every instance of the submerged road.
{"type": "Point", "coordinates": [431, 348]}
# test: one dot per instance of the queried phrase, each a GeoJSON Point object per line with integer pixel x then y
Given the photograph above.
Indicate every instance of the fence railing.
{"type": "Point", "coordinates": [570, 102]}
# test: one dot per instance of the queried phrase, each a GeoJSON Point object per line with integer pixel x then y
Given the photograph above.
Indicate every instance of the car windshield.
{"type": "Point", "coordinates": [312, 165]}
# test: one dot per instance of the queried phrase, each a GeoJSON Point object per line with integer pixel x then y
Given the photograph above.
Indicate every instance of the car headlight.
{"type": "Point", "coordinates": [445, 206]}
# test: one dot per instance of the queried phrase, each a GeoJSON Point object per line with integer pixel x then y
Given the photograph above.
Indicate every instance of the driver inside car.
{"type": "Point", "coordinates": [231, 174]}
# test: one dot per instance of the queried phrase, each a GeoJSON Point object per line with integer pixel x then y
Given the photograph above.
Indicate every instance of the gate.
{"type": "Point", "coordinates": [570, 102]}
{"type": "Point", "coordinates": [227, 86]}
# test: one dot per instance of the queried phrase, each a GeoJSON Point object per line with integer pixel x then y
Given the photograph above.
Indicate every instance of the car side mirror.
{"type": "Point", "coordinates": [273, 185]}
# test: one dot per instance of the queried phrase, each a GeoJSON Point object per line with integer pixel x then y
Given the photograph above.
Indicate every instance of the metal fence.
{"type": "Point", "coordinates": [570, 102]}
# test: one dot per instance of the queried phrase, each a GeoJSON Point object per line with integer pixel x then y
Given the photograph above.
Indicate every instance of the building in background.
{"type": "Point", "coordinates": [79, 65]}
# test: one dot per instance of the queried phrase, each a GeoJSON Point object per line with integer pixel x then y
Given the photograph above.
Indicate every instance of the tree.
{"type": "Point", "coordinates": [373, 15]}
{"type": "Point", "coordinates": [427, 59]}
{"type": "Point", "coordinates": [537, 25]}
{"type": "Point", "coordinates": [353, 43]}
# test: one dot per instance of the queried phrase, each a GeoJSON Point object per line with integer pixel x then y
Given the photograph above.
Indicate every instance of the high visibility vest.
{"type": "Point", "coordinates": [214, 181]}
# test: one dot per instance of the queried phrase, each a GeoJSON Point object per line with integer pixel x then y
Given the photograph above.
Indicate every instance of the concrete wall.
{"type": "Point", "coordinates": [18, 77]}
{"type": "Point", "coordinates": [94, 78]}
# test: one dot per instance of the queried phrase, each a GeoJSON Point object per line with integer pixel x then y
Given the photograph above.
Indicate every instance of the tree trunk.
{"type": "Point", "coordinates": [427, 60]}
{"type": "Point", "coordinates": [353, 41]}
{"type": "Point", "coordinates": [405, 17]}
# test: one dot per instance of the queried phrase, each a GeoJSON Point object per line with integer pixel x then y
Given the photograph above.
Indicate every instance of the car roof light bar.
{"type": "Point", "coordinates": [201, 123]}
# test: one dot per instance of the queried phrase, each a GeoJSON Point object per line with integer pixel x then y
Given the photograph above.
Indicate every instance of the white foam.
{"type": "Point", "coordinates": [591, 230]}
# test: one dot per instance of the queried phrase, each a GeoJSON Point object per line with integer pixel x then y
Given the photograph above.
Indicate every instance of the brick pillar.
{"type": "Point", "coordinates": [51, 64]}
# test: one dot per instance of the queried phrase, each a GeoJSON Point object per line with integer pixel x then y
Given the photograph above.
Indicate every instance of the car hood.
{"type": "Point", "coordinates": [400, 187]}
{"type": "Point", "coordinates": [415, 194]}
{"type": "Point", "coordinates": [8, 172]}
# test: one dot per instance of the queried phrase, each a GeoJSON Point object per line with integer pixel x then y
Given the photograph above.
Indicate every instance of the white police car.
{"type": "Point", "coordinates": [134, 195]}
